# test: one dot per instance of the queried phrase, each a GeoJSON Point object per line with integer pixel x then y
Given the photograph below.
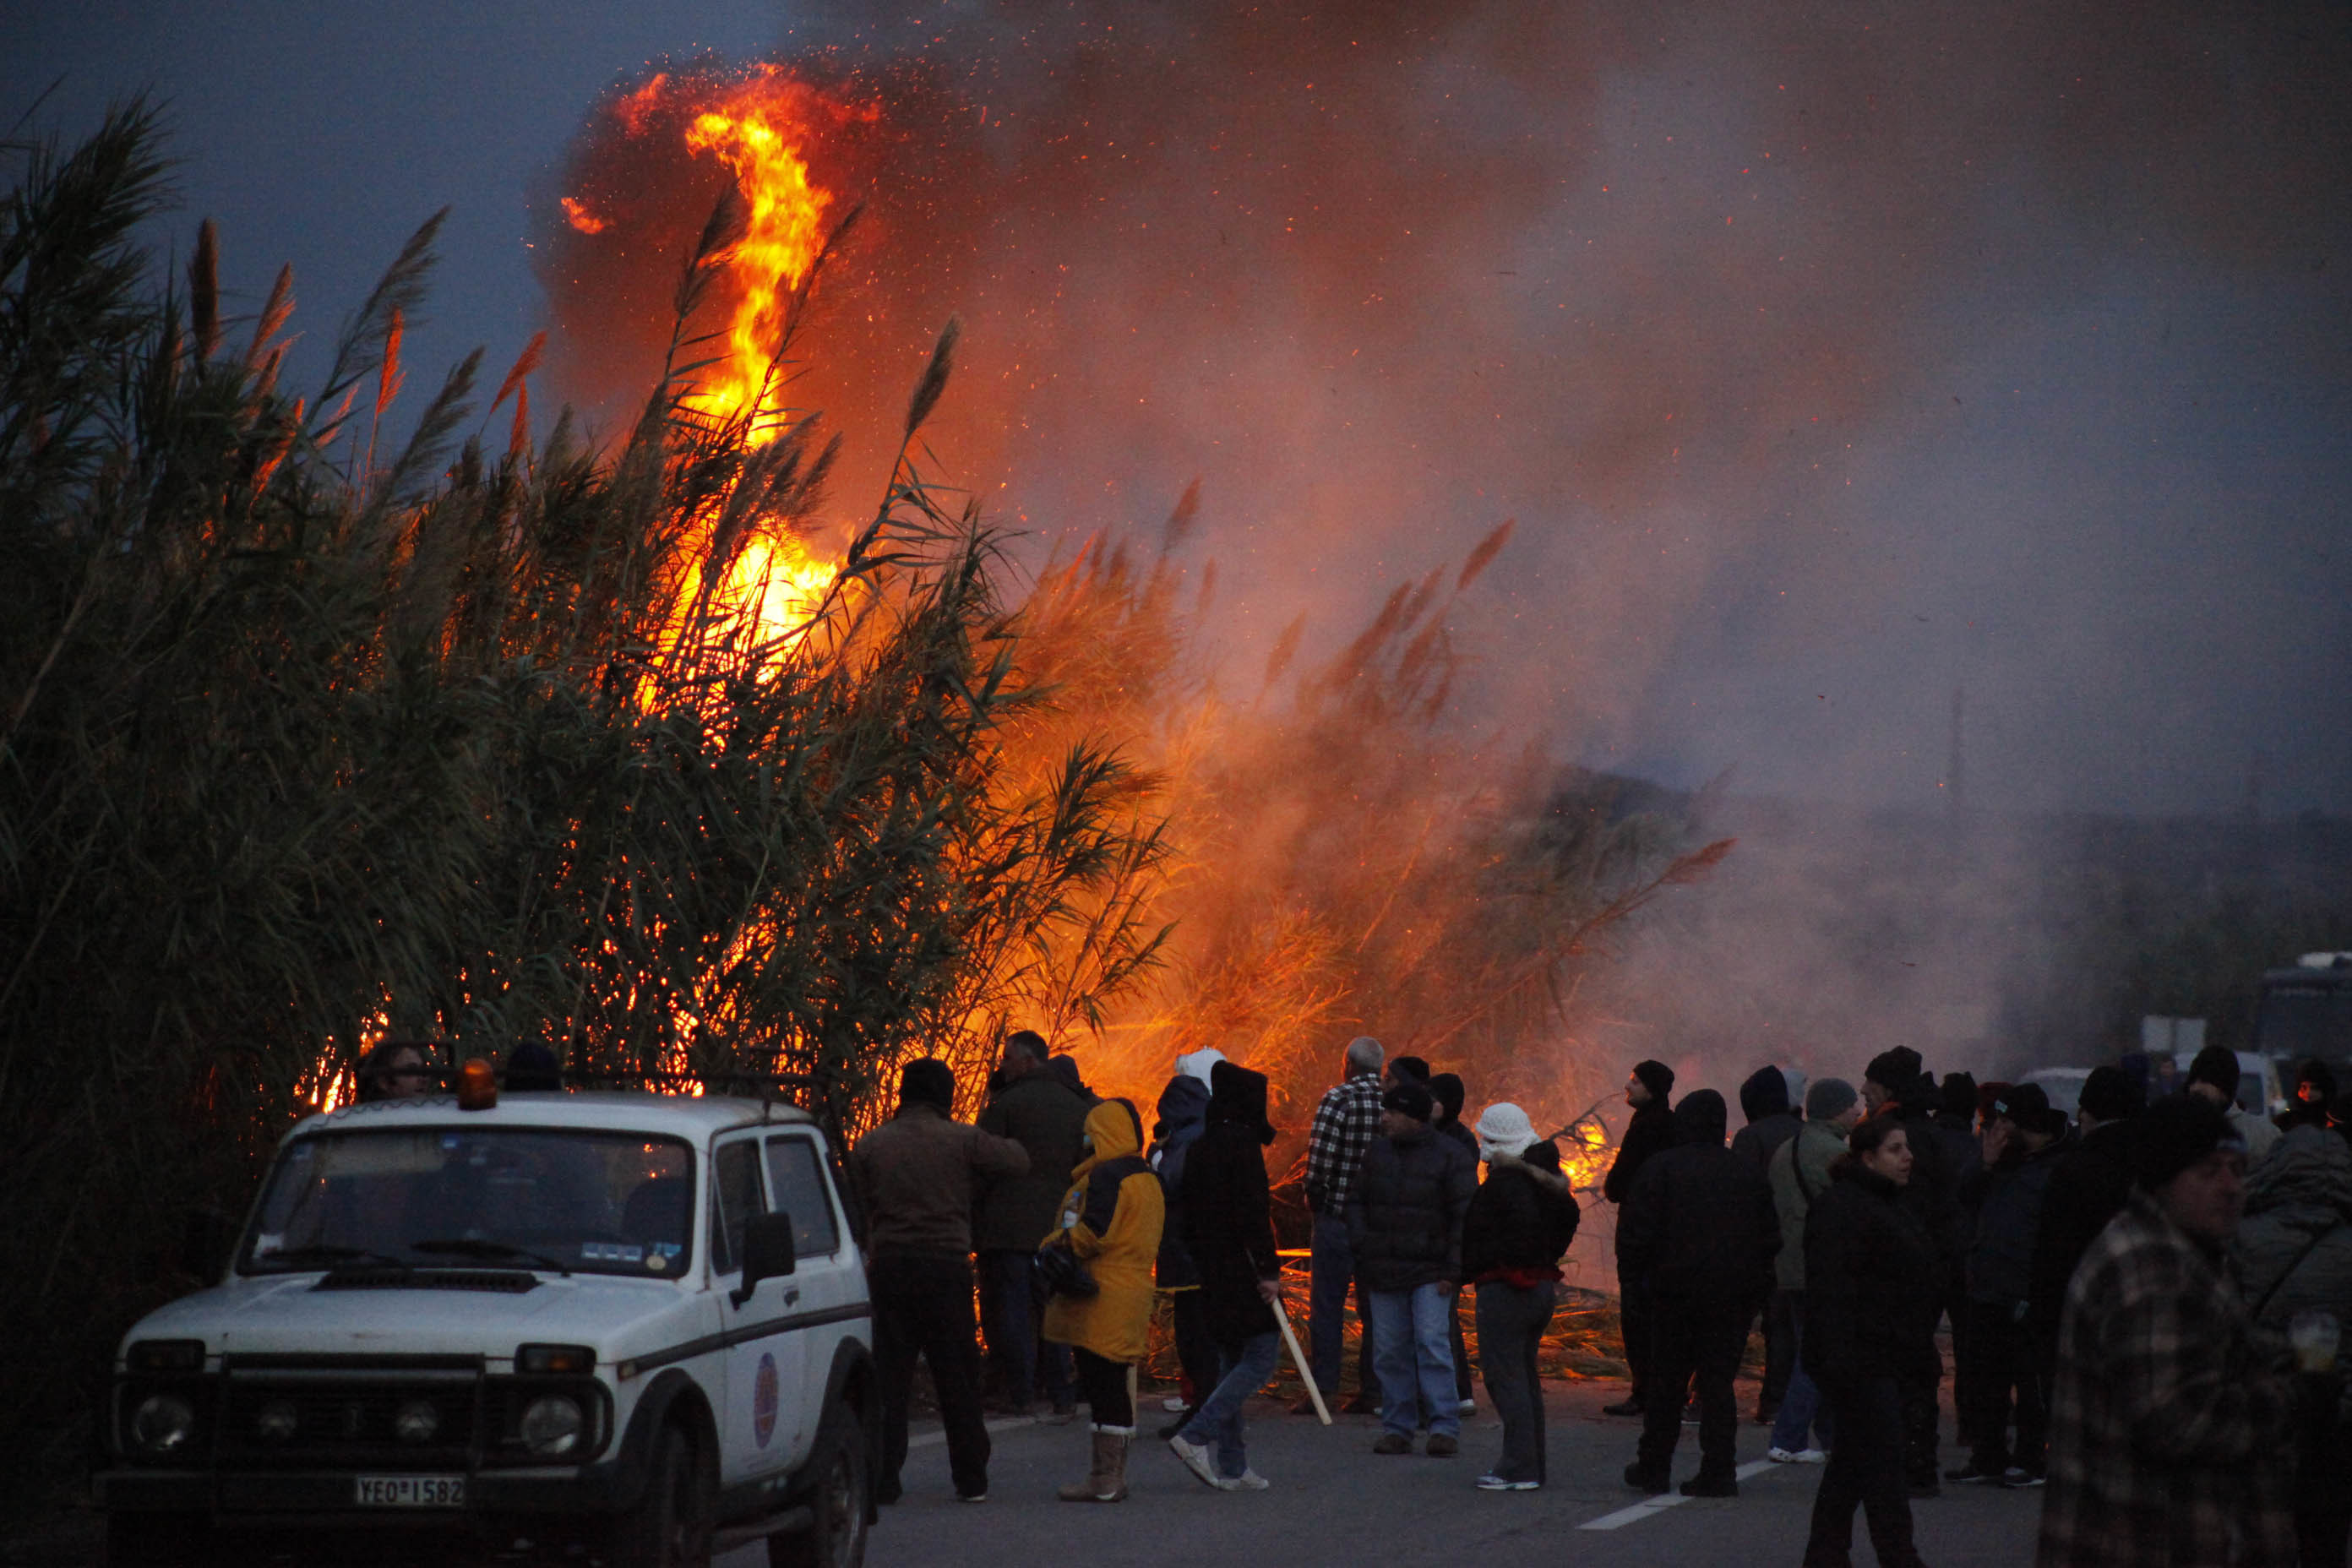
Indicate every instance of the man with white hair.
{"type": "Point", "coordinates": [1345, 1124]}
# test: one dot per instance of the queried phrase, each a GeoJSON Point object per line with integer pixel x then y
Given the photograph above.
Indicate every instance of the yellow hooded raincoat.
{"type": "Point", "coordinates": [1111, 1218]}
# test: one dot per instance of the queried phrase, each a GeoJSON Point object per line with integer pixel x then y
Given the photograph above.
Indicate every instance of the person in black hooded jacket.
{"type": "Point", "coordinates": [2090, 1187]}
{"type": "Point", "coordinates": [1649, 1133]}
{"type": "Point", "coordinates": [1872, 1293]}
{"type": "Point", "coordinates": [1183, 1113]}
{"type": "Point", "coordinates": [1771, 1121]}
{"type": "Point", "coordinates": [1699, 1232]}
{"type": "Point", "coordinates": [1229, 1230]}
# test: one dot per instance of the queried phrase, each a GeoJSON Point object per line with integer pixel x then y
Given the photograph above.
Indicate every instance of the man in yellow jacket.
{"type": "Point", "coordinates": [1110, 1222]}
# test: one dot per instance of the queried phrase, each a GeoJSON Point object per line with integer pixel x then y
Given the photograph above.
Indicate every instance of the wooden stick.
{"type": "Point", "coordinates": [1298, 1359]}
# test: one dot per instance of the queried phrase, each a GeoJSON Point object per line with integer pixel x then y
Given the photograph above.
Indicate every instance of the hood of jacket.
{"type": "Point", "coordinates": [2311, 1168]}
{"type": "Point", "coordinates": [1701, 1119]}
{"type": "Point", "coordinates": [1765, 1093]}
{"type": "Point", "coordinates": [1111, 1134]}
{"type": "Point", "coordinates": [1238, 1096]}
{"type": "Point", "coordinates": [1851, 1169]}
{"type": "Point", "coordinates": [1183, 1108]}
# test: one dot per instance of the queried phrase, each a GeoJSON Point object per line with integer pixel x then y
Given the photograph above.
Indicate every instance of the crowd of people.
{"type": "Point", "coordinates": [2143, 1302]}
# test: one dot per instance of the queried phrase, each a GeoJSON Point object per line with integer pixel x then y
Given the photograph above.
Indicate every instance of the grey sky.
{"type": "Point", "coordinates": [2022, 363]}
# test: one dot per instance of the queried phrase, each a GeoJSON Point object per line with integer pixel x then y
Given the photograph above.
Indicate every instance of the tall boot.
{"type": "Point", "coordinates": [1107, 1477]}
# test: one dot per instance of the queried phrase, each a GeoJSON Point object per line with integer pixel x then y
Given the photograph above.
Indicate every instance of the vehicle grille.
{"type": "Point", "coordinates": [348, 1423]}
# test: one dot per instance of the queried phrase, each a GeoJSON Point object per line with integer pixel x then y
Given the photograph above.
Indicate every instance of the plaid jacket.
{"type": "Point", "coordinates": [2169, 1441]}
{"type": "Point", "coordinates": [1345, 1125]}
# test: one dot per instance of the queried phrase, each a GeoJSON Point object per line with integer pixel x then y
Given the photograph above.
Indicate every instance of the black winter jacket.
{"type": "Point", "coordinates": [2090, 1187]}
{"type": "Point", "coordinates": [1517, 1221]}
{"type": "Point", "coordinates": [1407, 1226]}
{"type": "Point", "coordinates": [1049, 1118]}
{"type": "Point", "coordinates": [1228, 1215]}
{"type": "Point", "coordinates": [1764, 1100]}
{"type": "Point", "coordinates": [2004, 1206]}
{"type": "Point", "coordinates": [1873, 1284]}
{"type": "Point", "coordinates": [1933, 1192]}
{"type": "Point", "coordinates": [1699, 1225]}
{"type": "Point", "coordinates": [1652, 1131]}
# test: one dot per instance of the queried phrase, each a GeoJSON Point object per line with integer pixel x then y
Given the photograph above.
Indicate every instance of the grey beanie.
{"type": "Point", "coordinates": [1827, 1097]}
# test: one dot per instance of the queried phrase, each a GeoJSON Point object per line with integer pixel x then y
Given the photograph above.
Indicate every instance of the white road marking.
{"type": "Point", "coordinates": [1650, 1507]}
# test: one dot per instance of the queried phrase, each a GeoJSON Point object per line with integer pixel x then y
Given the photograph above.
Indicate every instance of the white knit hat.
{"type": "Point", "coordinates": [1197, 1064]}
{"type": "Point", "coordinates": [1504, 1128]}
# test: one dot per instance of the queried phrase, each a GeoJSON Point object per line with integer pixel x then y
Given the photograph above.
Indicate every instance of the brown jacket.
{"type": "Point", "coordinates": [917, 1174]}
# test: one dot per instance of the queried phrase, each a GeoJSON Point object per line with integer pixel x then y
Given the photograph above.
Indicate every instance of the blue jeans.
{"type": "Point", "coordinates": [1218, 1420]}
{"type": "Point", "coordinates": [1801, 1407]}
{"type": "Point", "coordinates": [1412, 1350]}
{"type": "Point", "coordinates": [1330, 1269]}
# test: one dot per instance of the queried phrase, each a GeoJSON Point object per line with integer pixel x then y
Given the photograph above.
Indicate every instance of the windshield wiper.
{"type": "Point", "coordinates": [300, 1257]}
{"type": "Point", "coordinates": [473, 1247]}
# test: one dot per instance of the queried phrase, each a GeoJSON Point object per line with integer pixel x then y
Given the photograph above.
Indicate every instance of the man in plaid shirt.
{"type": "Point", "coordinates": [1346, 1122]}
{"type": "Point", "coordinates": [2170, 1443]}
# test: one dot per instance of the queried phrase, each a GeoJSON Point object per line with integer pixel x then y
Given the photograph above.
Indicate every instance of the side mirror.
{"type": "Point", "coordinates": [770, 1252]}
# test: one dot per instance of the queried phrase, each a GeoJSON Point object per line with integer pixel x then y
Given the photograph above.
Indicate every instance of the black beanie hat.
{"type": "Point", "coordinates": [1410, 1099]}
{"type": "Point", "coordinates": [1657, 1078]}
{"type": "Point", "coordinates": [2174, 1134]}
{"type": "Point", "coordinates": [1894, 1069]}
{"type": "Point", "coordinates": [1446, 1089]}
{"type": "Point", "coordinates": [1960, 1096]}
{"type": "Point", "coordinates": [926, 1081]}
{"type": "Point", "coordinates": [2216, 1064]}
{"type": "Point", "coordinates": [2111, 1094]}
{"type": "Point", "coordinates": [1415, 1067]}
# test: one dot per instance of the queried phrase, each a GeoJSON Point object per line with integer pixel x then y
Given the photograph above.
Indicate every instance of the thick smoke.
{"type": "Point", "coordinates": [1831, 358]}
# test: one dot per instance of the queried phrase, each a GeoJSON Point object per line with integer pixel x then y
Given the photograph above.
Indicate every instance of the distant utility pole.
{"type": "Point", "coordinates": [1956, 771]}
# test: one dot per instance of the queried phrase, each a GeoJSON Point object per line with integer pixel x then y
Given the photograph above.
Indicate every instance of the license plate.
{"type": "Point", "coordinates": [409, 1491]}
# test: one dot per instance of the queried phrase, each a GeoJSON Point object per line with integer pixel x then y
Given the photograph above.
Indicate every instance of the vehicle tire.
{"type": "Point", "coordinates": [671, 1526]}
{"type": "Point", "coordinates": [159, 1540]}
{"type": "Point", "coordinates": [836, 1537]}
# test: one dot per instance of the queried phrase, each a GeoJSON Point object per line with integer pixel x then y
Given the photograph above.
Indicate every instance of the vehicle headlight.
{"type": "Point", "coordinates": [552, 1424]}
{"type": "Point", "coordinates": [277, 1421]}
{"type": "Point", "coordinates": [416, 1422]}
{"type": "Point", "coordinates": [163, 1423]}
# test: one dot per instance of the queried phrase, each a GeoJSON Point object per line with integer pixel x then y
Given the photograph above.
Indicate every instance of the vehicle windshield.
{"type": "Point", "coordinates": [469, 1197]}
{"type": "Point", "coordinates": [2299, 1021]}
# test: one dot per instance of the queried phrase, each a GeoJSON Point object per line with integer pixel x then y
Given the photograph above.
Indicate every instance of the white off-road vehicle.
{"type": "Point", "coordinates": [633, 1322]}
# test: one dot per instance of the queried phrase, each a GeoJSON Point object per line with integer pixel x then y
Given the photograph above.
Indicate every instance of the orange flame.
{"type": "Point", "coordinates": [576, 214]}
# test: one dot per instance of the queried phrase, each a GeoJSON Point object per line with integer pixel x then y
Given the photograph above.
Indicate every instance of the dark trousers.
{"type": "Point", "coordinates": [1864, 1467]}
{"type": "Point", "coordinates": [2322, 1480]}
{"type": "Point", "coordinates": [2008, 1370]}
{"type": "Point", "coordinates": [1104, 1382]}
{"type": "Point", "coordinates": [1633, 1322]}
{"type": "Point", "coordinates": [1701, 1339]}
{"type": "Point", "coordinates": [1965, 1400]}
{"type": "Point", "coordinates": [1511, 1321]}
{"type": "Point", "coordinates": [1012, 1308]}
{"type": "Point", "coordinates": [922, 1306]}
{"type": "Point", "coordinates": [1779, 1349]}
{"type": "Point", "coordinates": [1920, 1417]}
{"type": "Point", "coordinates": [1196, 1345]}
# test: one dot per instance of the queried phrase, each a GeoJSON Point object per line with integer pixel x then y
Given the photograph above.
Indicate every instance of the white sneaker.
{"type": "Point", "coordinates": [1494, 1483]}
{"type": "Point", "coordinates": [1174, 1404]}
{"type": "Point", "coordinates": [1780, 1455]}
{"type": "Point", "coordinates": [1466, 1407]}
{"type": "Point", "coordinates": [1196, 1460]}
{"type": "Point", "coordinates": [1811, 1456]}
{"type": "Point", "coordinates": [1247, 1481]}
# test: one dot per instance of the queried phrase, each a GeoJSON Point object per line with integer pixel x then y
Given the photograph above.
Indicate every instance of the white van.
{"type": "Point", "coordinates": [635, 1321]}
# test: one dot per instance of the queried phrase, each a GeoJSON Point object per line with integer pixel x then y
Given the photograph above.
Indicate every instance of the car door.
{"type": "Point", "coordinates": [766, 1374]}
{"type": "Point", "coordinates": [832, 1290]}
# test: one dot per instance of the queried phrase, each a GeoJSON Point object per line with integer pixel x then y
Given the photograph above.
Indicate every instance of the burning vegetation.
{"type": "Point", "coordinates": [647, 751]}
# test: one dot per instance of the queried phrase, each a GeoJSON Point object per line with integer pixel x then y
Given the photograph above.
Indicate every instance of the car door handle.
{"type": "Point", "coordinates": [792, 1297]}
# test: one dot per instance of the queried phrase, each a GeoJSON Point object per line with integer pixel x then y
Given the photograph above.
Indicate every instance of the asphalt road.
{"type": "Point", "coordinates": [1334, 1501]}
